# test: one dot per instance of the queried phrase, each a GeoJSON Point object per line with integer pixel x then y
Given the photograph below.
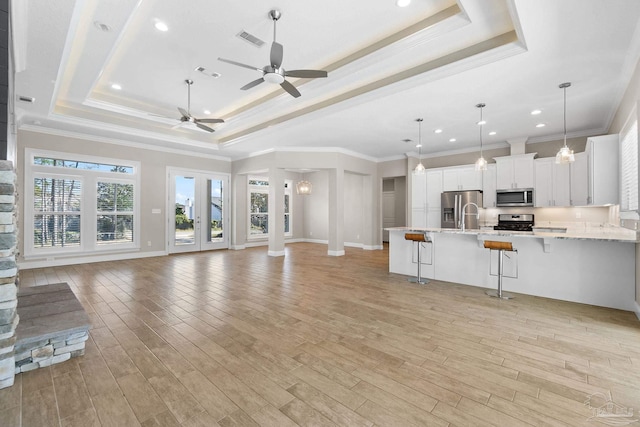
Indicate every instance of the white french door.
{"type": "Point", "coordinates": [197, 211]}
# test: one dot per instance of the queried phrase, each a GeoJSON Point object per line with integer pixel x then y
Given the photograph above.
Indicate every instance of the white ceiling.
{"type": "Point", "coordinates": [434, 59]}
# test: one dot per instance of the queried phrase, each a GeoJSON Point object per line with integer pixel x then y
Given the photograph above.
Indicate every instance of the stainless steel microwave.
{"type": "Point", "coordinates": [514, 197]}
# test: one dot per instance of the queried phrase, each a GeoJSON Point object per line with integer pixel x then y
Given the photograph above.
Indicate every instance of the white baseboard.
{"type": "Point", "coordinates": [636, 307]}
{"type": "Point", "coordinates": [25, 265]}
{"type": "Point", "coordinates": [323, 242]}
{"type": "Point", "coordinates": [335, 253]}
{"type": "Point", "coordinates": [353, 245]}
{"type": "Point", "coordinates": [237, 247]}
{"type": "Point", "coordinates": [373, 247]}
{"type": "Point", "coordinates": [275, 253]}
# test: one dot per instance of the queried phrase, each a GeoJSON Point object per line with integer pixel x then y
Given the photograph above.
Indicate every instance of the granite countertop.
{"type": "Point", "coordinates": [606, 233]}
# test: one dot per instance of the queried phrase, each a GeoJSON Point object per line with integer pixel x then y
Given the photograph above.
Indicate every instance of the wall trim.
{"type": "Point", "coordinates": [275, 253]}
{"type": "Point", "coordinates": [25, 265]}
{"type": "Point", "coordinates": [237, 247]}
{"type": "Point", "coordinates": [335, 253]}
{"type": "Point", "coordinates": [636, 307]}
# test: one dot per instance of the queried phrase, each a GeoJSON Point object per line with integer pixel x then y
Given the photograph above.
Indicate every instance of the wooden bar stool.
{"type": "Point", "coordinates": [419, 239]}
{"type": "Point", "coordinates": [501, 247]}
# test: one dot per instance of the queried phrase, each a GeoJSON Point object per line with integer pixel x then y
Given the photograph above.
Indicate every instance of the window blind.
{"type": "Point", "coordinates": [629, 167]}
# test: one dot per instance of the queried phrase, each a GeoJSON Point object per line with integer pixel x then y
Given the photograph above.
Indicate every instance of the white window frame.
{"type": "Point", "coordinates": [629, 209]}
{"type": "Point", "coordinates": [288, 184]}
{"type": "Point", "coordinates": [264, 189]}
{"type": "Point", "coordinates": [88, 204]}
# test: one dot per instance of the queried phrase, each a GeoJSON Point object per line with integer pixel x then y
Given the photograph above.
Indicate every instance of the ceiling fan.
{"type": "Point", "coordinates": [274, 73]}
{"type": "Point", "coordinates": [188, 118]}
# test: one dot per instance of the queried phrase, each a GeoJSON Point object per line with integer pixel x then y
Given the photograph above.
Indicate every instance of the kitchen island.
{"type": "Point", "coordinates": [590, 266]}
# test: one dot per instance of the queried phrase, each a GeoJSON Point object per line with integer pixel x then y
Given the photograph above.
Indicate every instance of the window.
{"type": "Point", "coordinates": [629, 166]}
{"type": "Point", "coordinates": [79, 204]}
{"type": "Point", "coordinates": [57, 209]}
{"type": "Point", "coordinates": [115, 213]}
{"type": "Point", "coordinates": [259, 207]}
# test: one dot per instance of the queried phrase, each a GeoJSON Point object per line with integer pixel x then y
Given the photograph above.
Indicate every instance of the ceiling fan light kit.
{"type": "Point", "coordinates": [274, 73]}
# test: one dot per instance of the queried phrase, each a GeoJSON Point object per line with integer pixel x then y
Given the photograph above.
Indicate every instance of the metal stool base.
{"type": "Point", "coordinates": [421, 281]}
{"type": "Point", "coordinates": [495, 294]}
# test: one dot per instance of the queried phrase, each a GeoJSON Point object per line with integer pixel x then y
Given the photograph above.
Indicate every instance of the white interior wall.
{"type": "Point", "coordinates": [316, 218]}
{"type": "Point", "coordinates": [353, 208]}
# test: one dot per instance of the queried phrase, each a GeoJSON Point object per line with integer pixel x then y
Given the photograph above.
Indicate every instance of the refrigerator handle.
{"type": "Point", "coordinates": [456, 212]}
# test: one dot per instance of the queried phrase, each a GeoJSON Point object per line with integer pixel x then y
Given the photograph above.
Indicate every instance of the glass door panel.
{"type": "Point", "coordinates": [199, 202]}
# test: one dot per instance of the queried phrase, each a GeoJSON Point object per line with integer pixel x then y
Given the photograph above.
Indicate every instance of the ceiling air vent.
{"type": "Point", "coordinates": [250, 38]}
{"type": "Point", "coordinates": [208, 73]}
{"type": "Point", "coordinates": [28, 99]}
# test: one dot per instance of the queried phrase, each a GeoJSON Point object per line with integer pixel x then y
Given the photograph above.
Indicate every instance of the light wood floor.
{"type": "Point", "coordinates": [238, 338]}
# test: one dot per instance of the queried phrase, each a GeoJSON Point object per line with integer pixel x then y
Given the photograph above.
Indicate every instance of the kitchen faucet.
{"type": "Point", "coordinates": [464, 214]}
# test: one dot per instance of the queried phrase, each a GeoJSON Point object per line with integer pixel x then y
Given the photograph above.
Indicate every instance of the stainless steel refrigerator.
{"type": "Point", "coordinates": [452, 204]}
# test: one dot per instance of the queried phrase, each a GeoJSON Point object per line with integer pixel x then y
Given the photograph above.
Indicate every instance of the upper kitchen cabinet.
{"type": "Point", "coordinates": [489, 186]}
{"type": "Point", "coordinates": [603, 168]}
{"type": "Point", "coordinates": [462, 178]}
{"type": "Point", "coordinates": [561, 184]}
{"type": "Point", "coordinates": [515, 171]}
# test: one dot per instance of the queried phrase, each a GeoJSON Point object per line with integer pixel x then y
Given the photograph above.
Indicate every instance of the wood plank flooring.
{"type": "Point", "coordinates": [238, 338]}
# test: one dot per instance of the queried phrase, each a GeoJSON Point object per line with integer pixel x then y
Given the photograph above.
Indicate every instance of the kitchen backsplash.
{"type": "Point", "coordinates": [592, 215]}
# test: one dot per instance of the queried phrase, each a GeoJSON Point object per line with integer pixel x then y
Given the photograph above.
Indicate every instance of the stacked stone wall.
{"type": "Point", "coordinates": [8, 274]}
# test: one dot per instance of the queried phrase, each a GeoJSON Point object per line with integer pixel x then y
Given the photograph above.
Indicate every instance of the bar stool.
{"type": "Point", "coordinates": [501, 247]}
{"type": "Point", "coordinates": [418, 238]}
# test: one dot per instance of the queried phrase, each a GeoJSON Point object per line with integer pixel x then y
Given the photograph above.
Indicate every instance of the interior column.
{"type": "Point", "coordinates": [336, 212]}
{"type": "Point", "coordinates": [276, 212]}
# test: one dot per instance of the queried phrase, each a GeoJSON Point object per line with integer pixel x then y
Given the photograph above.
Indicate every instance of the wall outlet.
{"type": "Point", "coordinates": [149, 243]}
{"type": "Point", "coordinates": [357, 237]}
{"type": "Point", "coordinates": [311, 233]}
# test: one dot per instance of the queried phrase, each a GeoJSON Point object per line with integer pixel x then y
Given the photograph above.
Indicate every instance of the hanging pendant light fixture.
{"type": "Point", "coordinates": [419, 170]}
{"type": "Point", "coordinates": [481, 163]}
{"type": "Point", "coordinates": [303, 188]}
{"type": "Point", "coordinates": [565, 154]}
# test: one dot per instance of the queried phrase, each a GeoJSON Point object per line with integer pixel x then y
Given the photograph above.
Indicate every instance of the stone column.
{"type": "Point", "coordinates": [8, 274]}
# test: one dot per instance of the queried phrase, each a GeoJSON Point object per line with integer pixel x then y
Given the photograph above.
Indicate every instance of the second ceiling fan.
{"type": "Point", "coordinates": [274, 73]}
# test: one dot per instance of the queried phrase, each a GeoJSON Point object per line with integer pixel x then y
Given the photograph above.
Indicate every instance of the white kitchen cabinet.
{"type": "Point", "coordinates": [580, 180]}
{"type": "Point", "coordinates": [543, 183]}
{"type": "Point", "coordinates": [515, 171]}
{"type": "Point", "coordinates": [434, 188]}
{"type": "Point", "coordinates": [461, 178]}
{"type": "Point", "coordinates": [560, 184]}
{"type": "Point", "coordinates": [489, 187]}
{"type": "Point", "coordinates": [434, 197]}
{"type": "Point", "coordinates": [603, 168]}
{"type": "Point", "coordinates": [418, 200]}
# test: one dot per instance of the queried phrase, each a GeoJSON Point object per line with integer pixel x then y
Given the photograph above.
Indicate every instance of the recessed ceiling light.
{"type": "Point", "coordinates": [452, 140]}
{"type": "Point", "coordinates": [482, 122]}
{"type": "Point", "coordinates": [437, 131]}
{"type": "Point", "coordinates": [418, 145]}
{"type": "Point", "coordinates": [403, 3]}
{"type": "Point", "coordinates": [536, 112]}
{"type": "Point", "coordinates": [116, 86]}
{"type": "Point", "coordinates": [161, 26]}
{"type": "Point", "coordinates": [493, 132]}
{"type": "Point", "coordinates": [540, 125]}
{"type": "Point", "coordinates": [207, 112]}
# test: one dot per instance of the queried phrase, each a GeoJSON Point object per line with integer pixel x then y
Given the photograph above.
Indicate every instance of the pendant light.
{"type": "Point", "coordinates": [419, 170]}
{"type": "Point", "coordinates": [565, 154]}
{"type": "Point", "coordinates": [481, 163]}
{"type": "Point", "coordinates": [303, 188]}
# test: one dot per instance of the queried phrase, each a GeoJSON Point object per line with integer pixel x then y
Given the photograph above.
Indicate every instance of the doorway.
{"type": "Point", "coordinates": [393, 204]}
{"type": "Point", "coordinates": [197, 211]}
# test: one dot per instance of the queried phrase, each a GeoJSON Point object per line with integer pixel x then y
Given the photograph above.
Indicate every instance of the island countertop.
{"type": "Point", "coordinates": [589, 265]}
{"type": "Point", "coordinates": [606, 233]}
